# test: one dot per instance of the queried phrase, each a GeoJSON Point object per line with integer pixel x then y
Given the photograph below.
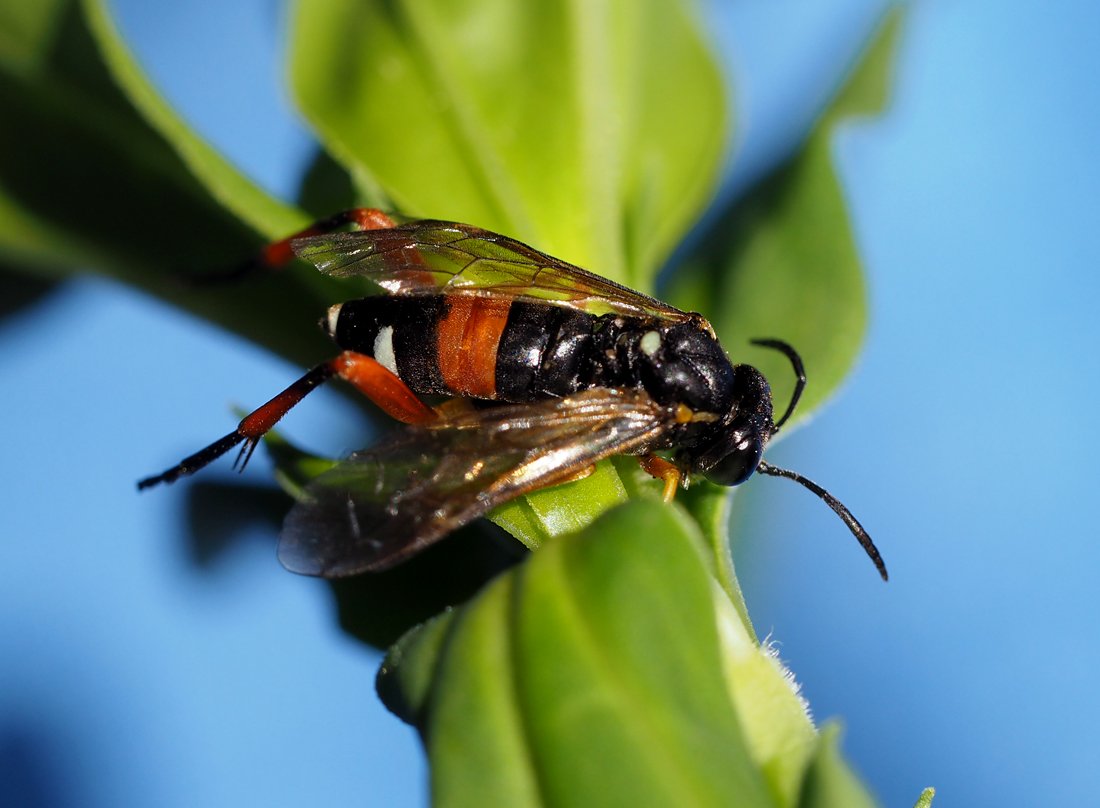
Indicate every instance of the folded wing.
{"type": "Point", "coordinates": [386, 503]}
{"type": "Point", "coordinates": [431, 257]}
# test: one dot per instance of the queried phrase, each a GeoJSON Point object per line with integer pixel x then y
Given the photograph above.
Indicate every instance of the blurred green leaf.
{"type": "Point", "coordinates": [593, 671]}
{"type": "Point", "coordinates": [829, 781]}
{"type": "Point", "coordinates": [925, 799]}
{"type": "Point", "coordinates": [79, 160]}
{"type": "Point", "coordinates": [25, 28]}
{"type": "Point", "coordinates": [592, 131]}
{"type": "Point", "coordinates": [327, 188]}
{"type": "Point", "coordinates": [782, 262]}
{"type": "Point", "coordinates": [96, 172]}
{"type": "Point", "coordinates": [294, 467]}
{"type": "Point", "coordinates": [227, 186]}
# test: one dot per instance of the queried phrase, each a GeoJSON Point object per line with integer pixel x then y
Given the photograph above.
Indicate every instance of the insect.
{"type": "Point", "coordinates": [548, 368]}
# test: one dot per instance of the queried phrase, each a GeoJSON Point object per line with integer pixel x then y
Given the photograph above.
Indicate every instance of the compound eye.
{"type": "Point", "coordinates": [738, 465]}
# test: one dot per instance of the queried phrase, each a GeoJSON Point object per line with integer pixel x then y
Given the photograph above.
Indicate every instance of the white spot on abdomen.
{"type": "Point", "coordinates": [383, 349]}
{"type": "Point", "coordinates": [650, 343]}
{"type": "Point", "coordinates": [333, 318]}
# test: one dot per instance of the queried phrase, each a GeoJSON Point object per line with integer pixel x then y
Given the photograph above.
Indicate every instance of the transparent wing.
{"type": "Point", "coordinates": [386, 503]}
{"type": "Point", "coordinates": [432, 257]}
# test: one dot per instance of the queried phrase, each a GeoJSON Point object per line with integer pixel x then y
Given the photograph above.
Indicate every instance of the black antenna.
{"type": "Point", "coordinates": [853, 524]}
{"type": "Point", "coordinates": [799, 371]}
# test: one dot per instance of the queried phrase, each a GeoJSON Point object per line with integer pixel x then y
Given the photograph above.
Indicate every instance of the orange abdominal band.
{"type": "Point", "coordinates": [468, 337]}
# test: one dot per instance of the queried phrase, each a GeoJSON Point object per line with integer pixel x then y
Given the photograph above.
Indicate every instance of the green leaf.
{"type": "Point", "coordinates": [542, 515]}
{"type": "Point", "coordinates": [773, 716]}
{"type": "Point", "coordinates": [593, 131]}
{"type": "Point", "coordinates": [408, 674]}
{"type": "Point", "coordinates": [783, 262]}
{"type": "Point", "coordinates": [96, 172]}
{"type": "Point", "coordinates": [222, 181]}
{"type": "Point", "coordinates": [709, 506]}
{"type": "Point", "coordinates": [925, 799]}
{"type": "Point", "coordinates": [593, 671]}
{"type": "Point", "coordinates": [829, 781]}
{"type": "Point", "coordinates": [25, 28]}
{"type": "Point", "coordinates": [78, 159]}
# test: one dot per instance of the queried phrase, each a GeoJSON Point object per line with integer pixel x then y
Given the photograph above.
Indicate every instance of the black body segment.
{"type": "Point", "coordinates": [543, 350]}
{"type": "Point", "coordinates": [412, 336]}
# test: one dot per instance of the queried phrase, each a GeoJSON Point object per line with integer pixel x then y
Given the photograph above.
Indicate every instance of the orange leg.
{"type": "Point", "coordinates": [663, 470]}
{"type": "Point", "coordinates": [373, 380]}
{"type": "Point", "coordinates": [383, 387]}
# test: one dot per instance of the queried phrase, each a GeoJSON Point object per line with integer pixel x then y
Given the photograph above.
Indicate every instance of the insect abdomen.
{"type": "Point", "coordinates": [399, 332]}
{"type": "Point", "coordinates": [477, 347]}
{"type": "Point", "coordinates": [545, 351]}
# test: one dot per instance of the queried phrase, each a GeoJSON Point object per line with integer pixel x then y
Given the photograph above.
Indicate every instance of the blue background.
{"type": "Point", "coordinates": [136, 671]}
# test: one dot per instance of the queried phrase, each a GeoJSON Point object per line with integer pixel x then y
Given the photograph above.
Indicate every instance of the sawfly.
{"type": "Point", "coordinates": [547, 368]}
